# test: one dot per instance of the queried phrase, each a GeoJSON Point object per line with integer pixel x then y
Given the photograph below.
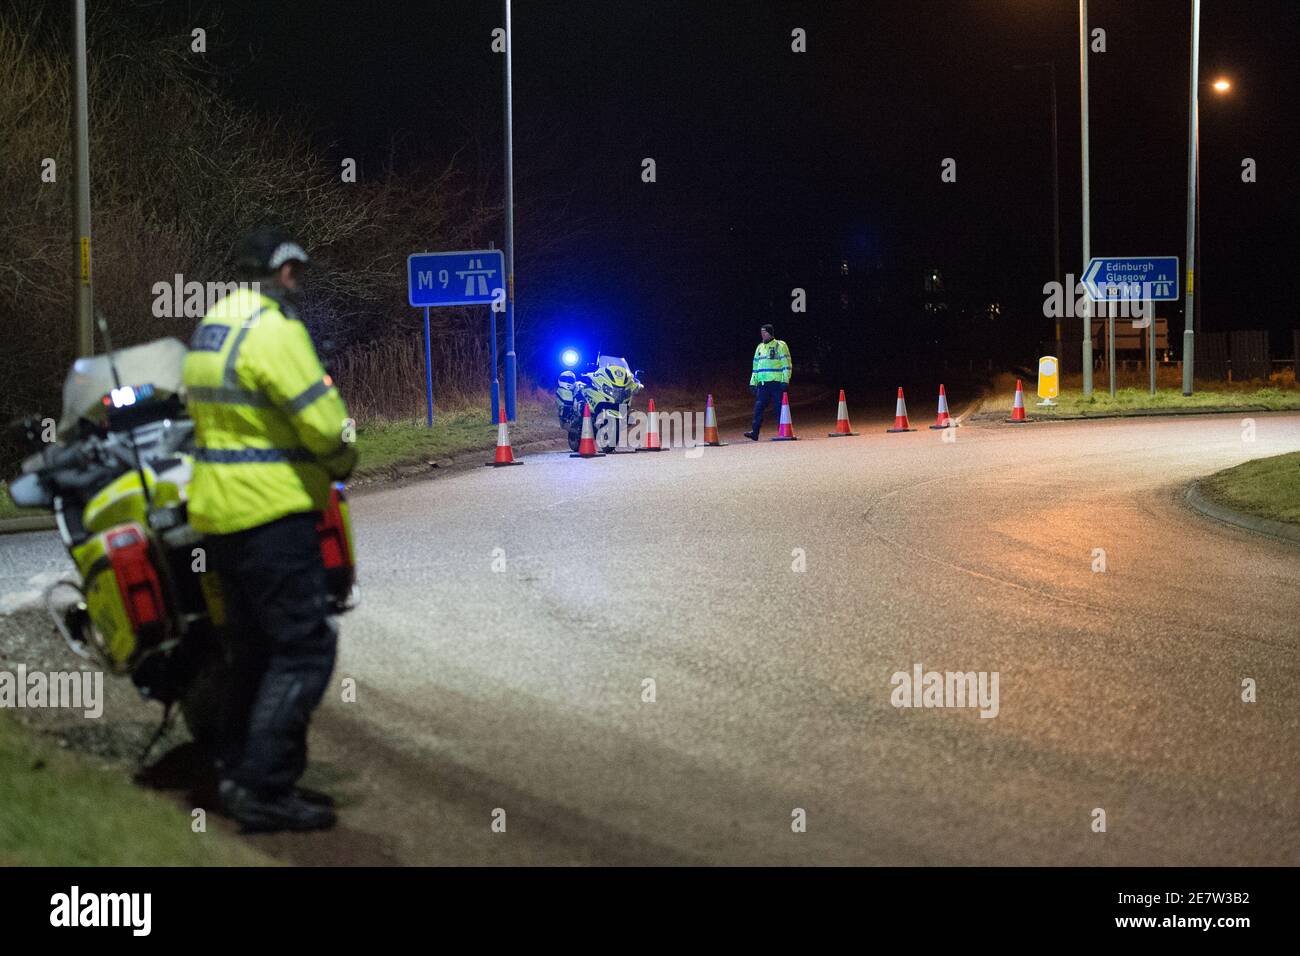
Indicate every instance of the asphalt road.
{"type": "Point", "coordinates": [511, 617]}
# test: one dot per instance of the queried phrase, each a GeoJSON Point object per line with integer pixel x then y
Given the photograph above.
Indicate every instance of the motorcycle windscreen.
{"type": "Point", "coordinates": [160, 363]}
{"type": "Point", "coordinates": [27, 492]}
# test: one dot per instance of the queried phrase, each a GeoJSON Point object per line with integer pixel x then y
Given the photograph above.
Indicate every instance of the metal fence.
{"type": "Point", "coordinates": [1248, 356]}
{"type": "Point", "coordinates": [1212, 355]}
{"type": "Point", "coordinates": [1243, 355]}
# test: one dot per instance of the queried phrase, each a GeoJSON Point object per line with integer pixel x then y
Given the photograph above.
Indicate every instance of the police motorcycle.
{"type": "Point", "coordinates": [116, 478]}
{"type": "Point", "coordinates": [607, 387]}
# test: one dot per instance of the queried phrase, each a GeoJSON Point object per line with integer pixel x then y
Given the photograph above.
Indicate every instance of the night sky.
{"type": "Point", "coordinates": [769, 160]}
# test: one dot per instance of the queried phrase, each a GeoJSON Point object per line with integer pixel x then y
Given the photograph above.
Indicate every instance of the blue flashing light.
{"type": "Point", "coordinates": [570, 357]}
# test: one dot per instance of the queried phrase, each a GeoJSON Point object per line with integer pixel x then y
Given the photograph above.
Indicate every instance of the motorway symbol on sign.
{"type": "Point", "coordinates": [476, 277]}
{"type": "Point", "coordinates": [1135, 278]}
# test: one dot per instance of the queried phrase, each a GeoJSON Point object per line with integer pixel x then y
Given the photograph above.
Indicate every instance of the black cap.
{"type": "Point", "coordinates": [769, 330]}
{"type": "Point", "coordinates": [264, 250]}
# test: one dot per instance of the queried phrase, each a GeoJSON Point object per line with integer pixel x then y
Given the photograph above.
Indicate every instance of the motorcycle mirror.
{"type": "Point", "coordinates": [637, 374]}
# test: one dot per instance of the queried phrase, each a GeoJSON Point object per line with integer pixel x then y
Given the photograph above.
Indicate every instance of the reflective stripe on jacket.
{"type": "Point", "coordinates": [269, 425]}
{"type": "Point", "coordinates": [771, 363]}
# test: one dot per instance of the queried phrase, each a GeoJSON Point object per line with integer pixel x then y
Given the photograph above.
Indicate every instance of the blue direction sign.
{"type": "Point", "coordinates": [476, 277]}
{"type": "Point", "coordinates": [1135, 278]}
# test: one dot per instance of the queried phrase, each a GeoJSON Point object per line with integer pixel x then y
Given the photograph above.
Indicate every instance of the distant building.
{"type": "Point", "coordinates": [936, 296]}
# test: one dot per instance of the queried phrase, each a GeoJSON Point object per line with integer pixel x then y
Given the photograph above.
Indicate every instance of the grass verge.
{"type": "Point", "coordinates": [1134, 397]}
{"type": "Point", "coordinates": [383, 447]}
{"type": "Point", "coordinates": [1129, 401]}
{"type": "Point", "coordinates": [1267, 488]}
{"type": "Point", "coordinates": [9, 510]}
{"type": "Point", "coordinates": [57, 810]}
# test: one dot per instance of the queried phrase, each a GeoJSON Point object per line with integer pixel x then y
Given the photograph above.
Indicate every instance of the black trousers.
{"type": "Point", "coordinates": [767, 393]}
{"type": "Point", "coordinates": [281, 648]}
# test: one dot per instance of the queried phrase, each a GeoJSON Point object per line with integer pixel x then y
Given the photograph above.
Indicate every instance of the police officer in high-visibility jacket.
{"type": "Point", "coordinates": [770, 378]}
{"type": "Point", "coordinates": [271, 435]}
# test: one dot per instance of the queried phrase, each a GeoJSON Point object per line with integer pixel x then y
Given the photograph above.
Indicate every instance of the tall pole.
{"type": "Point", "coordinates": [1200, 299]}
{"type": "Point", "coordinates": [1193, 158]}
{"type": "Point", "coordinates": [1056, 207]}
{"type": "Point", "coordinates": [85, 302]}
{"type": "Point", "coordinates": [510, 226]}
{"type": "Point", "coordinates": [1087, 226]}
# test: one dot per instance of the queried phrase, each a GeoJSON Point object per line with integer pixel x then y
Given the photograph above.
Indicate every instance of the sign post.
{"type": "Point", "coordinates": [1151, 344]}
{"type": "Point", "coordinates": [428, 369]}
{"type": "Point", "coordinates": [473, 277]}
{"type": "Point", "coordinates": [1130, 279]}
{"type": "Point", "coordinates": [1110, 345]}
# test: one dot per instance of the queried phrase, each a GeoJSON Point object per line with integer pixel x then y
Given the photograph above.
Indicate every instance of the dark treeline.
{"type": "Point", "coordinates": [179, 170]}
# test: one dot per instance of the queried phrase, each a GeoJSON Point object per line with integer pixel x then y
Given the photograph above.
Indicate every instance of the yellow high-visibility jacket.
{"type": "Point", "coordinates": [771, 363]}
{"type": "Point", "coordinates": [271, 430]}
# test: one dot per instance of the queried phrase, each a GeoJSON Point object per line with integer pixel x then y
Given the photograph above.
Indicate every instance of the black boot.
{"type": "Point", "coordinates": [264, 814]}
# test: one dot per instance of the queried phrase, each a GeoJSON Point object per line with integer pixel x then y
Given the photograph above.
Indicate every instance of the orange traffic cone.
{"type": "Point", "coordinates": [711, 426]}
{"type": "Point", "coordinates": [943, 421]}
{"type": "Point", "coordinates": [842, 427]}
{"type": "Point", "coordinates": [1018, 409]}
{"type": "Point", "coordinates": [587, 444]}
{"type": "Point", "coordinates": [900, 415]}
{"type": "Point", "coordinates": [786, 431]}
{"type": "Point", "coordinates": [652, 430]}
{"type": "Point", "coordinates": [504, 455]}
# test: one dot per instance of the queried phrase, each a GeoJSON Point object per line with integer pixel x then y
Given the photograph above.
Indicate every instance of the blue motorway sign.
{"type": "Point", "coordinates": [1135, 278]}
{"type": "Point", "coordinates": [476, 277]}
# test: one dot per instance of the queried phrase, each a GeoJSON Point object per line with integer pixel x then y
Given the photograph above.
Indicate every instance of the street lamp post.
{"type": "Point", "coordinates": [1087, 252]}
{"type": "Point", "coordinates": [1193, 159]}
{"type": "Point", "coordinates": [510, 224]}
{"type": "Point", "coordinates": [85, 302]}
